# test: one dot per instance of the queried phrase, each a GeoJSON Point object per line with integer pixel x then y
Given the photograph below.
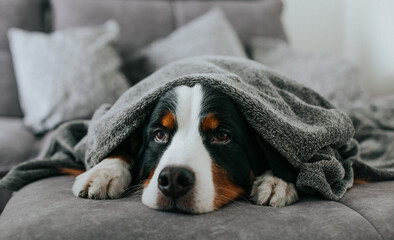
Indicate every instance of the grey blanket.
{"type": "Point", "coordinates": [314, 136]}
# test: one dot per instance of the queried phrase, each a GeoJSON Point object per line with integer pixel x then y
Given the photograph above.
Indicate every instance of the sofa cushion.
{"type": "Point", "coordinates": [333, 77]}
{"type": "Point", "coordinates": [17, 143]}
{"type": "Point", "coordinates": [209, 34]}
{"type": "Point", "coordinates": [25, 14]}
{"type": "Point", "coordinates": [9, 101]}
{"type": "Point", "coordinates": [375, 202]}
{"type": "Point", "coordinates": [250, 19]}
{"type": "Point", "coordinates": [142, 22]}
{"type": "Point", "coordinates": [5, 195]}
{"type": "Point", "coordinates": [47, 208]}
{"type": "Point", "coordinates": [67, 74]}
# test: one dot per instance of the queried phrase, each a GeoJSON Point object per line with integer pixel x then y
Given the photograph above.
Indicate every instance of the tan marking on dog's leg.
{"type": "Point", "coordinates": [71, 171]}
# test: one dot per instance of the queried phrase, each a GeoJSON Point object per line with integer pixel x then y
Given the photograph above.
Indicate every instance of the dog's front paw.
{"type": "Point", "coordinates": [270, 190]}
{"type": "Point", "coordinates": [108, 179]}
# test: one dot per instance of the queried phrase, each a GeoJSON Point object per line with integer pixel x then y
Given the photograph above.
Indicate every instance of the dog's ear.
{"type": "Point", "coordinates": [276, 161]}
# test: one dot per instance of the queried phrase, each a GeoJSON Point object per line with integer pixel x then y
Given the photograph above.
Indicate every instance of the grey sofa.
{"type": "Point", "coordinates": [46, 209]}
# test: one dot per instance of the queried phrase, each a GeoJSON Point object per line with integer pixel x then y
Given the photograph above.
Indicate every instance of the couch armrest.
{"type": "Point", "coordinates": [17, 143]}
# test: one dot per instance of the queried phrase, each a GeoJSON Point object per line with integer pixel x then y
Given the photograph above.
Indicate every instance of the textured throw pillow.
{"type": "Point", "coordinates": [67, 74]}
{"type": "Point", "coordinates": [209, 34]}
{"type": "Point", "coordinates": [332, 77]}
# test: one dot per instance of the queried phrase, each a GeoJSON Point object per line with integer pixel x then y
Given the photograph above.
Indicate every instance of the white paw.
{"type": "Point", "coordinates": [108, 179]}
{"type": "Point", "coordinates": [273, 191]}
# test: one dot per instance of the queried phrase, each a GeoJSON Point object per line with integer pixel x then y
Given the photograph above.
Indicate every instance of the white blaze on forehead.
{"type": "Point", "coordinates": [187, 150]}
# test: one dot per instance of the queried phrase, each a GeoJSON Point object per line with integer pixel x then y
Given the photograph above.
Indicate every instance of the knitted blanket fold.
{"type": "Point", "coordinates": [314, 136]}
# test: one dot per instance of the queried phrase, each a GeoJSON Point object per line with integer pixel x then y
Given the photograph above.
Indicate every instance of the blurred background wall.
{"type": "Point", "coordinates": [361, 31]}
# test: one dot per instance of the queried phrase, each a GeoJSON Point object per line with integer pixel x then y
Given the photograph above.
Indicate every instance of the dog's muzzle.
{"type": "Point", "coordinates": [175, 182]}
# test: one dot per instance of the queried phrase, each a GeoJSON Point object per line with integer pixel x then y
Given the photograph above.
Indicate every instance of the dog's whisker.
{"type": "Point", "coordinates": [233, 202]}
{"type": "Point", "coordinates": [136, 194]}
{"type": "Point", "coordinates": [232, 191]}
{"type": "Point", "coordinates": [229, 199]}
{"type": "Point", "coordinates": [131, 189]}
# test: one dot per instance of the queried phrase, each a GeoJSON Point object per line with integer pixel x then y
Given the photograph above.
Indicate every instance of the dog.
{"type": "Point", "coordinates": [195, 154]}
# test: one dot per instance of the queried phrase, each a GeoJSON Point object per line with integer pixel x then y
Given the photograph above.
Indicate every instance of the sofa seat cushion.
{"type": "Point", "coordinates": [5, 195]}
{"type": "Point", "coordinates": [375, 202]}
{"type": "Point", "coordinates": [46, 209]}
{"type": "Point", "coordinates": [17, 143]}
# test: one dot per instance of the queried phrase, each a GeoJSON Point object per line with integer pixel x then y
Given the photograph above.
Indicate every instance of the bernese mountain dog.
{"type": "Point", "coordinates": [195, 154]}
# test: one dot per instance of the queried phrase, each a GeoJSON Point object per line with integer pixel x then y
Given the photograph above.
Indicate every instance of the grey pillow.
{"type": "Point", "coordinates": [332, 77]}
{"type": "Point", "coordinates": [67, 74]}
{"type": "Point", "coordinates": [209, 34]}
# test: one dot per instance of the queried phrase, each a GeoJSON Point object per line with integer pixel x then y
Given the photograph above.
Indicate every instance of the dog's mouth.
{"type": "Point", "coordinates": [175, 189]}
{"type": "Point", "coordinates": [184, 204]}
{"type": "Point", "coordinates": [181, 189]}
{"type": "Point", "coordinates": [176, 208]}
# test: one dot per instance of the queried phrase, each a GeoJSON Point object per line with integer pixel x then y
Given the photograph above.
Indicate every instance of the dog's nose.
{"type": "Point", "coordinates": [175, 181]}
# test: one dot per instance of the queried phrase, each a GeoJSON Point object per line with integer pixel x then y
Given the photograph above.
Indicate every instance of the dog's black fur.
{"type": "Point", "coordinates": [243, 154]}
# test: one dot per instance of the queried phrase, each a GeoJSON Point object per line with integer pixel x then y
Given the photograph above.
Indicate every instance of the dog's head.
{"type": "Point", "coordinates": [198, 152]}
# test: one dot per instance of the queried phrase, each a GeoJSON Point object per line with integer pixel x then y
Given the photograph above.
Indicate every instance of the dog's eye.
{"type": "Point", "coordinates": [221, 137]}
{"type": "Point", "coordinates": [161, 136]}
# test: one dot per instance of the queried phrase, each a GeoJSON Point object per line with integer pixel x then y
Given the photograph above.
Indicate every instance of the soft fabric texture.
{"type": "Point", "coordinates": [249, 19]}
{"type": "Point", "coordinates": [5, 196]}
{"type": "Point", "coordinates": [17, 143]}
{"type": "Point", "coordinates": [9, 101]}
{"type": "Point", "coordinates": [209, 34]}
{"type": "Point", "coordinates": [332, 77]}
{"type": "Point", "coordinates": [141, 22]}
{"type": "Point", "coordinates": [47, 209]}
{"type": "Point", "coordinates": [25, 14]}
{"type": "Point", "coordinates": [314, 136]}
{"type": "Point", "coordinates": [67, 74]}
{"type": "Point", "coordinates": [374, 124]}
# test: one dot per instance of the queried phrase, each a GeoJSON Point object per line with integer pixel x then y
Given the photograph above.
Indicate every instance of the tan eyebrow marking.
{"type": "Point", "coordinates": [210, 122]}
{"type": "Point", "coordinates": [168, 120]}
